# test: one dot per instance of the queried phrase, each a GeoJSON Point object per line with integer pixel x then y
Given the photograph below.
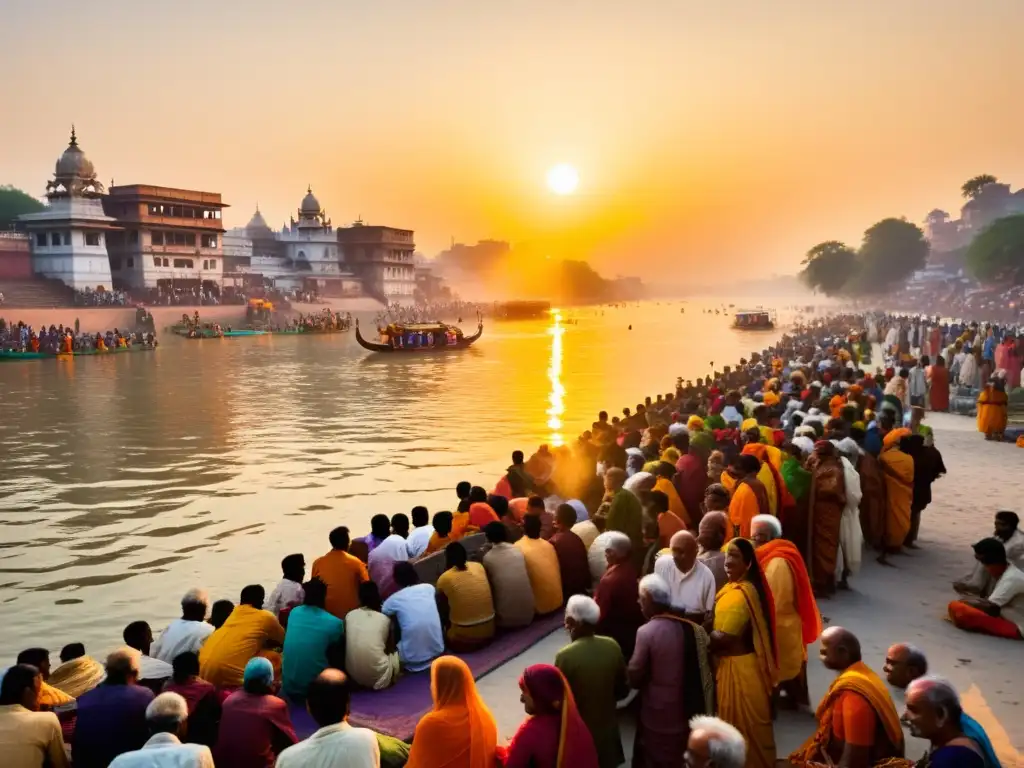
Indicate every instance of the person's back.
{"type": "Point", "coordinates": [596, 672]}
{"type": "Point", "coordinates": [414, 607]}
{"type": "Point", "coordinates": [225, 653]}
{"type": "Point", "coordinates": [510, 582]}
{"type": "Point", "coordinates": [111, 719]}
{"type": "Point", "coordinates": [541, 566]}
{"type": "Point", "coordinates": [28, 739]}
{"type": "Point", "coordinates": [311, 632]}
{"type": "Point", "coordinates": [252, 731]}
{"type": "Point", "coordinates": [574, 567]}
{"type": "Point", "coordinates": [342, 573]}
{"type": "Point", "coordinates": [470, 603]}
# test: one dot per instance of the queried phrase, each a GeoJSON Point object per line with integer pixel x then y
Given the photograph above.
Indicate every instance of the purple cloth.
{"type": "Point", "coordinates": [111, 721]}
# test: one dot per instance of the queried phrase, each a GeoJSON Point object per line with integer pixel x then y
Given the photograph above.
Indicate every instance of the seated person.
{"type": "Point", "coordinates": [201, 697]}
{"type": "Point", "coordinates": [49, 697]}
{"type": "Point", "coordinates": [153, 673]}
{"type": "Point", "coordinates": [77, 673]}
{"type": "Point", "coordinates": [288, 592]}
{"type": "Point", "coordinates": [542, 567]}
{"type": "Point", "coordinates": [255, 726]}
{"type": "Point", "coordinates": [371, 658]}
{"type": "Point", "coordinates": [419, 537]}
{"type": "Point", "coordinates": [464, 601]}
{"type": "Point", "coordinates": [313, 641]}
{"type": "Point", "coordinates": [510, 582]}
{"type": "Point", "coordinates": [572, 554]}
{"type": "Point", "coordinates": [442, 535]}
{"type": "Point", "coordinates": [993, 605]}
{"type": "Point", "coordinates": [535, 506]}
{"type": "Point", "coordinates": [249, 631]}
{"type": "Point", "coordinates": [413, 608]}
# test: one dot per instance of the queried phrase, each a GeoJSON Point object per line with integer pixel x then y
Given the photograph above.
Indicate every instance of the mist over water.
{"type": "Point", "coordinates": [127, 480]}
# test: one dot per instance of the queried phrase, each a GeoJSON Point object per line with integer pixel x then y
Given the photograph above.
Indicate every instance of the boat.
{"type": "Point", "coordinates": [416, 337]}
{"type": "Point", "coordinates": [754, 319]}
{"type": "Point", "coordinates": [210, 333]}
{"type": "Point", "coordinates": [8, 354]}
{"type": "Point", "coordinates": [522, 310]}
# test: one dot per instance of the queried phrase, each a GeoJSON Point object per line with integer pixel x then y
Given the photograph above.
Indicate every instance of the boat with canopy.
{"type": "Point", "coordinates": [419, 337]}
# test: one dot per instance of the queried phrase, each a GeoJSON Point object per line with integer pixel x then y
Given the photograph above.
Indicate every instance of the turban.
{"type": "Point", "coordinates": [258, 670]}
{"type": "Point", "coordinates": [695, 423]}
{"type": "Point", "coordinates": [748, 424]}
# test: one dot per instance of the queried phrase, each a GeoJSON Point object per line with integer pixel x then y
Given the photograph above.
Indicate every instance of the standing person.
{"type": "Point", "coordinates": [167, 718]}
{"type": "Point", "coordinates": [749, 496]}
{"type": "Point", "coordinates": [510, 581]}
{"type": "Point", "coordinates": [670, 667]}
{"type": "Point", "coordinates": [112, 717]}
{"type": "Point", "coordinates": [711, 538]}
{"type": "Point", "coordinates": [342, 573]}
{"type": "Point", "coordinates": [572, 553]}
{"type": "Point", "coordinates": [690, 582]}
{"type": "Point", "coordinates": [370, 655]}
{"type": "Point", "coordinates": [314, 641]}
{"type": "Point", "coordinates": [459, 731]}
{"type": "Point", "coordinates": [554, 734]}
{"type": "Point", "coordinates": [872, 501]}
{"type": "Point", "coordinates": [857, 721]}
{"type": "Point", "coordinates": [933, 712]}
{"type": "Point", "coordinates": [413, 608]}
{"type": "Point", "coordinates": [542, 566]}
{"type": "Point", "coordinates": [928, 467]}
{"type": "Point", "coordinates": [898, 470]}
{"type": "Point", "coordinates": [255, 726]}
{"type": "Point", "coordinates": [797, 620]}
{"type": "Point", "coordinates": [992, 409]}
{"type": "Point", "coordinates": [616, 594]}
{"type": "Point", "coordinates": [744, 642]}
{"type": "Point", "coordinates": [288, 592]}
{"type": "Point", "coordinates": [187, 633]}
{"type": "Point", "coordinates": [970, 369]}
{"type": "Point", "coordinates": [691, 477]}
{"type": "Point", "coordinates": [828, 499]}
{"type": "Point", "coordinates": [336, 744]}
{"type": "Point", "coordinates": [596, 673]}
{"type": "Point", "coordinates": [918, 382]}
{"type": "Point", "coordinates": [28, 738]}
{"type": "Point", "coordinates": [626, 513]}
{"type": "Point", "coordinates": [249, 631]}
{"type": "Point", "coordinates": [851, 536]}
{"type": "Point", "coordinates": [939, 393]}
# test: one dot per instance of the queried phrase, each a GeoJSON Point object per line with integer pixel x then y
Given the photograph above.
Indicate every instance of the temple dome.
{"type": "Point", "coordinates": [310, 205]}
{"type": "Point", "coordinates": [73, 164]}
{"type": "Point", "coordinates": [257, 226]}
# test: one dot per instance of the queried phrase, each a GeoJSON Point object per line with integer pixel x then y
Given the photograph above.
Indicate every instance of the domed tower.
{"type": "Point", "coordinates": [311, 245]}
{"type": "Point", "coordinates": [69, 236]}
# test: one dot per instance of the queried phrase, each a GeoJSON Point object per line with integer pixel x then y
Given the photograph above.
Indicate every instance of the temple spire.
{"type": "Point", "coordinates": [74, 138]}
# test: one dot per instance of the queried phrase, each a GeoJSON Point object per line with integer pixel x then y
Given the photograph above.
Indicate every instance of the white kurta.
{"type": "Point", "coordinates": [851, 538]}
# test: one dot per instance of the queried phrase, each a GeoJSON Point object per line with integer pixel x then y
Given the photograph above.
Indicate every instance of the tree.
{"type": "Point", "coordinates": [829, 267]}
{"type": "Point", "coordinates": [997, 254]}
{"type": "Point", "coordinates": [972, 187]}
{"type": "Point", "coordinates": [892, 250]}
{"type": "Point", "coordinates": [13, 203]}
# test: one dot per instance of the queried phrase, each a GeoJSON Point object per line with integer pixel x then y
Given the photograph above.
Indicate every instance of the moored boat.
{"type": "Point", "coordinates": [419, 337]}
{"type": "Point", "coordinates": [8, 354]}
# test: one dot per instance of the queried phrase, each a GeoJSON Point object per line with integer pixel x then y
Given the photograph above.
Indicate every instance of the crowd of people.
{"type": "Point", "coordinates": [90, 298]}
{"type": "Point", "coordinates": [65, 340]}
{"type": "Point", "coordinates": [687, 545]}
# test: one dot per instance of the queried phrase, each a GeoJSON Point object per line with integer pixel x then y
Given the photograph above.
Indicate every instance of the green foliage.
{"type": "Point", "coordinates": [972, 187]}
{"type": "Point", "coordinates": [829, 266]}
{"type": "Point", "coordinates": [892, 250]}
{"type": "Point", "coordinates": [998, 252]}
{"type": "Point", "coordinates": [13, 203]}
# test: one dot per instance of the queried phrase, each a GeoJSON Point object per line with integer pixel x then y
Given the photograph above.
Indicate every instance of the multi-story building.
{"type": "Point", "coordinates": [168, 237]}
{"type": "Point", "coordinates": [383, 256]}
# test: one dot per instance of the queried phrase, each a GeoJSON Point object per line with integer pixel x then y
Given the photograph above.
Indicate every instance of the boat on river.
{"type": "Point", "coordinates": [419, 337]}
{"type": "Point", "coordinates": [754, 319]}
{"type": "Point", "coordinates": [10, 354]}
{"type": "Point", "coordinates": [217, 333]}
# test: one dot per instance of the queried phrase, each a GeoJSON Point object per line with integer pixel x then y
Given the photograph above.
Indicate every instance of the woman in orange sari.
{"type": "Point", "coordinates": [898, 470]}
{"type": "Point", "coordinates": [459, 732]}
{"type": "Point", "coordinates": [744, 643]}
{"type": "Point", "coordinates": [992, 404]}
{"type": "Point", "coordinates": [554, 736]}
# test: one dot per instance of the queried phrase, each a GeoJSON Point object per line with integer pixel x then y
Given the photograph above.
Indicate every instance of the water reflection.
{"type": "Point", "coordinates": [556, 399]}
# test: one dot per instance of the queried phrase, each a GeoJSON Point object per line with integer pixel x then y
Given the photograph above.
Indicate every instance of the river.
{"type": "Point", "coordinates": [126, 480]}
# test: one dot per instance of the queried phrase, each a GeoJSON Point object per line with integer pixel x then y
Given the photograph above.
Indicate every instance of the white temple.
{"type": "Point", "coordinates": [68, 237]}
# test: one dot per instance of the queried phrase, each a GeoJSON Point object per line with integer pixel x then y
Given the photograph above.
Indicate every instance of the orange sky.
{"type": "Point", "coordinates": [745, 130]}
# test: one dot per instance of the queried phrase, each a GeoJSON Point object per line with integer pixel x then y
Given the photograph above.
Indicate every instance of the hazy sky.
{"type": "Point", "coordinates": [745, 130]}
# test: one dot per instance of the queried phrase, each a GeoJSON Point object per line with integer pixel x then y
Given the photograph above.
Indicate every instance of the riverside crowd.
{"type": "Point", "coordinates": [687, 544]}
{"type": "Point", "coordinates": [61, 340]}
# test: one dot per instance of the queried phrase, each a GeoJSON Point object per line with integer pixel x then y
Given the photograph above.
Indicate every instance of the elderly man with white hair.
{"type": "Point", "coordinates": [691, 583]}
{"type": "Point", "coordinates": [616, 592]}
{"type": "Point", "coordinates": [187, 633]}
{"type": "Point", "coordinates": [933, 712]}
{"type": "Point", "coordinates": [596, 672]}
{"type": "Point", "coordinates": [167, 719]}
{"type": "Point", "coordinates": [797, 620]}
{"type": "Point", "coordinates": [714, 743]}
{"type": "Point", "coordinates": [670, 669]}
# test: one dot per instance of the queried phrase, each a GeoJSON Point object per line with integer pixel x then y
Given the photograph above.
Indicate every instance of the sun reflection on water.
{"type": "Point", "coordinates": [556, 398]}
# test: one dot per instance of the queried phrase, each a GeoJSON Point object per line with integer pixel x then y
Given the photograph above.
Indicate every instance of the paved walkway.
{"type": "Point", "coordinates": [889, 605]}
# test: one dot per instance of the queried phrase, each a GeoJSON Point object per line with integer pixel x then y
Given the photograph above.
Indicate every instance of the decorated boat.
{"type": "Point", "coordinates": [754, 319]}
{"type": "Point", "coordinates": [13, 355]}
{"type": "Point", "coordinates": [216, 332]}
{"type": "Point", "coordinates": [419, 337]}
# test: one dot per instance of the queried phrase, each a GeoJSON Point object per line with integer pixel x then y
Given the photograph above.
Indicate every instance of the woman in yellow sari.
{"type": "Point", "coordinates": [898, 470]}
{"type": "Point", "coordinates": [459, 732]}
{"type": "Point", "coordinates": [743, 641]}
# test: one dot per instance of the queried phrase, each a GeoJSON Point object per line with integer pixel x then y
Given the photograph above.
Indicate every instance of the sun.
{"type": "Point", "coordinates": [563, 179]}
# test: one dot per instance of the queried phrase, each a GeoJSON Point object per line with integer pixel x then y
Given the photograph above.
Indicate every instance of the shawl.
{"type": "Point", "coordinates": [77, 676]}
{"type": "Point", "coordinates": [553, 696]}
{"type": "Point", "coordinates": [806, 605]}
{"type": "Point", "coordinates": [695, 659]}
{"type": "Point", "coordinates": [797, 479]}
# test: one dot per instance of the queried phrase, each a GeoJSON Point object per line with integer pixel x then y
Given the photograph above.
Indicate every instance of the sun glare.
{"type": "Point", "coordinates": [563, 179]}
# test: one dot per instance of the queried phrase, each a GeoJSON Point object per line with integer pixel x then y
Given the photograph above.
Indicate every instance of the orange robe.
{"type": "Point", "coordinates": [992, 411]}
{"type": "Point", "coordinates": [898, 469]}
{"type": "Point", "coordinates": [675, 504]}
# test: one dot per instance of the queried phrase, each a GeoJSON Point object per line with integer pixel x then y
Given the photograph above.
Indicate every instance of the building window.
{"type": "Point", "coordinates": [133, 237]}
{"type": "Point", "coordinates": [154, 209]}
{"type": "Point", "coordinates": [131, 263]}
{"type": "Point", "coordinates": [166, 263]}
{"type": "Point", "coordinates": [55, 238]}
{"type": "Point", "coordinates": [213, 263]}
{"type": "Point", "coordinates": [41, 239]}
{"type": "Point", "coordinates": [183, 263]}
{"type": "Point", "coordinates": [92, 238]}
{"type": "Point", "coordinates": [156, 261]}
{"type": "Point", "coordinates": [157, 238]}
{"type": "Point", "coordinates": [209, 241]}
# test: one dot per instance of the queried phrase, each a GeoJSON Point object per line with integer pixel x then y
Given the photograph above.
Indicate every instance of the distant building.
{"type": "Point", "coordinates": [167, 238]}
{"type": "Point", "coordinates": [15, 256]}
{"type": "Point", "coordinates": [383, 257]}
{"type": "Point", "coordinates": [68, 239]}
{"type": "Point", "coordinates": [993, 201]}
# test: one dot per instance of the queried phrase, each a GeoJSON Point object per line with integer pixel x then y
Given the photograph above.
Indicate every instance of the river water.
{"type": "Point", "coordinates": [126, 480]}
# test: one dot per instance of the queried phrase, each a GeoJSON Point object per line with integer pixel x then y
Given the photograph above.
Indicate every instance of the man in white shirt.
{"type": "Point", "coordinates": [419, 536]}
{"type": "Point", "coordinates": [167, 718]}
{"type": "Point", "coordinates": [691, 582]}
{"type": "Point", "coordinates": [1007, 530]}
{"type": "Point", "coordinates": [288, 593]}
{"type": "Point", "coordinates": [187, 633]}
{"type": "Point", "coordinates": [337, 744]}
{"type": "Point", "coordinates": [152, 671]}
{"type": "Point", "coordinates": [998, 608]}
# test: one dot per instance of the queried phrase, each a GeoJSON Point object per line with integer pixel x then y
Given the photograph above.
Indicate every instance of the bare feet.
{"type": "Point", "coordinates": [883, 559]}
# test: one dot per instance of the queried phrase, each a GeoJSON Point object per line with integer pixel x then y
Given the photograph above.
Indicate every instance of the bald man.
{"type": "Point", "coordinates": [711, 533]}
{"type": "Point", "coordinates": [690, 582]}
{"type": "Point", "coordinates": [904, 663]}
{"type": "Point", "coordinates": [858, 725]}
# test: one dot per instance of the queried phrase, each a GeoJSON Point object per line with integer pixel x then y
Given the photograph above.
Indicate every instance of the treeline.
{"type": "Point", "coordinates": [13, 203]}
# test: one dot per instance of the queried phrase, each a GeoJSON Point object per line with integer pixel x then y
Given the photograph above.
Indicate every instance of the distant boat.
{"type": "Point", "coordinates": [754, 319]}
{"type": "Point", "coordinates": [420, 337]}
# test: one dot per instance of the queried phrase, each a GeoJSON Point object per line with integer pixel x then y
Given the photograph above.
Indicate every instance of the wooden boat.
{"type": "Point", "coordinates": [402, 332]}
{"type": "Point", "coordinates": [754, 319]}
{"type": "Point", "coordinates": [209, 333]}
{"type": "Point", "coordinates": [12, 355]}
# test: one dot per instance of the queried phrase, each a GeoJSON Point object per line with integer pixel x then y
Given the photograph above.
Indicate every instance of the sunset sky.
{"type": "Point", "coordinates": [745, 130]}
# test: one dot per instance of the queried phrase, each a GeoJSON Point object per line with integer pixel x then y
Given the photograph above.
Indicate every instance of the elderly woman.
{"type": "Point", "coordinates": [554, 734]}
{"type": "Point", "coordinates": [596, 673]}
{"type": "Point", "coordinates": [255, 726]}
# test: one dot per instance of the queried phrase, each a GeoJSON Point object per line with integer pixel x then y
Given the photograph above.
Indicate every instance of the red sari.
{"type": "Point", "coordinates": [939, 395]}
